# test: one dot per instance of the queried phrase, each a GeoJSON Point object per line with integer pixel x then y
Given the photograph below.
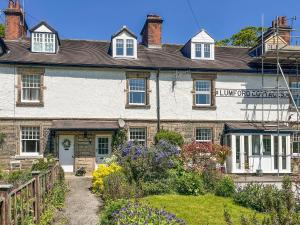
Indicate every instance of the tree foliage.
{"type": "Point", "coordinates": [2, 30]}
{"type": "Point", "coordinates": [246, 37]}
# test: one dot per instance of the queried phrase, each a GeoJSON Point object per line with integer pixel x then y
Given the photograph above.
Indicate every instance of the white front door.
{"type": "Point", "coordinates": [103, 148]}
{"type": "Point", "coordinates": [66, 152]}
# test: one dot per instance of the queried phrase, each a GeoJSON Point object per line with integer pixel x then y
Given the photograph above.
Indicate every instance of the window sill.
{"type": "Point", "coordinates": [137, 106]}
{"type": "Point", "coordinates": [198, 107]}
{"type": "Point", "coordinates": [33, 156]}
{"type": "Point", "coordinates": [30, 104]}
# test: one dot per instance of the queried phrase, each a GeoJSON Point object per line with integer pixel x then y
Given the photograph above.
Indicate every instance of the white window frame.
{"type": "Point", "coordinates": [30, 137]}
{"type": "Point", "coordinates": [210, 136]}
{"type": "Point", "coordinates": [125, 47]}
{"type": "Point", "coordinates": [139, 91]}
{"type": "Point", "coordinates": [139, 140]}
{"type": "Point", "coordinates": [109, 145]}
{"type": "Point", "coordinates": [295, 88]}
{"type": "Point", "coordinates": [203, 48]}
{"type": "Point", "coordinates": [122, 44]}
{"type": "Point", "coordinates": [29, 86]}
{"type": "Point", "coordinates": [202, 92]}
{"type": "Point", "coordinates": [43, 39]}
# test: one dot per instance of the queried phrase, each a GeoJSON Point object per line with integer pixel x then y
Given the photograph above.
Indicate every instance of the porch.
{"type": "Point", "coordinates": [82, 143]}
{"type": "Point", "coordinates": [258, 148]}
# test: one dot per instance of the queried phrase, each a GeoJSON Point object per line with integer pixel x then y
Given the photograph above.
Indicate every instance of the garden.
{"type": "Point", "coordinates": [173, 182]}
{"type": "Point", "coordinates": [36, 194]}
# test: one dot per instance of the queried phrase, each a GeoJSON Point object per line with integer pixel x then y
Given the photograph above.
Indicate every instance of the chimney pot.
{"type": "Point", "coordinates": [152, 31]}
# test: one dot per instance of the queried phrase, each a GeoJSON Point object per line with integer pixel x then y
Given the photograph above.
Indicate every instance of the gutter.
{"type": "Point", "coordinates": [158, 100]}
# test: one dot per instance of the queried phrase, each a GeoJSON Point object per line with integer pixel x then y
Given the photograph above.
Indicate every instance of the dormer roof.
{"type": "Point", "coordinates": [124, 29]}
{"type": "Point", "coordinates": [203, 36]}
{"type": "Point", "coordinates": [44, 27]}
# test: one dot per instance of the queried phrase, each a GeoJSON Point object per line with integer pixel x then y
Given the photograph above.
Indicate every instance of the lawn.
{"type": "Point", "coordinates": [197, 210]}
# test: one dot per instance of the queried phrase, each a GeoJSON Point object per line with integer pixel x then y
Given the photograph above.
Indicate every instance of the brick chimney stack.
{"type": "Point", "coordinates": [15, 25]}
{"type": "Point", "coordinates": [283, 27]}
{"type": "Point", "coordinates": [152, 31]}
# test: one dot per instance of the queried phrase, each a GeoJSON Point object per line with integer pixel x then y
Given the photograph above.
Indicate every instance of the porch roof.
{"type": "Point", "coordinates": [73, 125]}
{"type": "Point", "coordinates": [256, 128]}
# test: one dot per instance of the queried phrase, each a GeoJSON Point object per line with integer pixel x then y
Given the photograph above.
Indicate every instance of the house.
{"type": "Point", "coordinates": [70, 97]}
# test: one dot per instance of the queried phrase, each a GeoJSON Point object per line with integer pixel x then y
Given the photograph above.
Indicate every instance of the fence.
{"type": "Point", "coordinates": [27, 200]}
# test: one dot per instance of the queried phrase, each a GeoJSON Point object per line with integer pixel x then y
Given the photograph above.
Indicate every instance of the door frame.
{"type": "Point", "coordinates": [59, 150]}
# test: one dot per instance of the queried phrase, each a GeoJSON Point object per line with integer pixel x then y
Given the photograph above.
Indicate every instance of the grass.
{"type": "Point", "coordinates": [201, 210]}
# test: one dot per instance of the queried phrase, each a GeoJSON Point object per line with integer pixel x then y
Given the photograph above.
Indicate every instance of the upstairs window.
{"type": "Point", "coordinates": [125, 47]}
{"type": "Point", "coordinates": [31, 85]}
{"type": "Point", "coordinates": [129, 47]}
{"type": "Point", "coordinates": [295, 89]}
{"type": "Point", "coordinates": [203, 50]}
{"type": "Point", "coordinates": [203, 92]}
{"type": "Point", "coordinates": [137, 91]}
{"type": "Point", "coordinates": [120, 47]}
{"type": "Point", "coordinates": [43, 42]}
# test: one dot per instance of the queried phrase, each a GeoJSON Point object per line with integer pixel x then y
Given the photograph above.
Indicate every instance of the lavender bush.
{"type": "Point", "coordinates": [137, 213]}
{"type": "Point", "coordinates": [141, 163]}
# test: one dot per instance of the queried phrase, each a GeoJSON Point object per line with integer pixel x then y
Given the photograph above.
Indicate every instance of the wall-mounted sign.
{"type": "Point", "coordinates": [251, 93]}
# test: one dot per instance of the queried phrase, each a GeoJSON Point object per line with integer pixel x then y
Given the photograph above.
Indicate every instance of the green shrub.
{"type": "Point", "coordinates": [170, 136]}
{"type": "Point", "coordinates": [225, 187]}
{"type": "Point", "coordinates": [17, 177]}
{"type": "Point", "coordinates": [259, 197]}
{"type": "Point", "coordinates": [116, 186]}
{"type": "Point", "coordinates": [211, 178]}
{"type": "Point", "coordinates": [137, 213]}
{"type": "Point", "coordinates": [190, 183]}
{"type": "Point", "coordinates": [43, 164]}
{"type": "Point", "coordinates": [111, 207]}
{"type": "Point", "coordinates": [157, 187]}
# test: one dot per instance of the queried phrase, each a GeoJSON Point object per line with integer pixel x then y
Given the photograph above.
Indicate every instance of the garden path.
{"type": "Point", "coordinates": [82, 207]}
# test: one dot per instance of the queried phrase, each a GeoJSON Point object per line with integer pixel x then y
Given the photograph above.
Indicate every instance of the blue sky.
{"type": "Point", "coordinates": [99, 19]}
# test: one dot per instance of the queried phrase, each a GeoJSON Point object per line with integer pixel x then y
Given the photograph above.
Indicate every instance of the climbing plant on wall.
{"type": "Point", "coordinates": [2, 140]}
{"type": "Point", "coordinates": [119, 139]}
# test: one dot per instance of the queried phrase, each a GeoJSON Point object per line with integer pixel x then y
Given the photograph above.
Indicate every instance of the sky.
{"type": "Point", "coordinates": [99, 19]}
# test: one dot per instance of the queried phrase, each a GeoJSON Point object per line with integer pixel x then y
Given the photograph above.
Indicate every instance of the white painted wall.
{"type": "Point", "coordinates": [75, 93]}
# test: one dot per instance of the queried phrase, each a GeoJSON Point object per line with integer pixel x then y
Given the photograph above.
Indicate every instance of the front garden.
{"type": "Point", "coordinates": [175, 183]}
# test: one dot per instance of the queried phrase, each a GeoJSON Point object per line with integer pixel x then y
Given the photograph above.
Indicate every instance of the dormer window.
{"type": "Point", "coordinates": [201, 46]}
{"type": "Point", "coordinates": [44, 39]}
{"type": "Point", "coordinates": [124, 44]}
{"type": "Point", "coordinates": [43, 42]}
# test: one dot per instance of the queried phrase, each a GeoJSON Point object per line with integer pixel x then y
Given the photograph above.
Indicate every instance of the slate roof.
{"type": "Point", "coordinates": [85, 53]}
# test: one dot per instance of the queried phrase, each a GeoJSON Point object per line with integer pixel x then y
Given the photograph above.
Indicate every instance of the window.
{"type": "Point", "coordinates": [276, 153]}
{"type": "Point", "coordinates": [203, 134]}
{"type": "Point", "coordinates": [137, 91]}
{"type": "Point", "coordinates": [246, 151]}
{"type": "Point", "coordinates": [206, 50]}
{"type": "Point", "coordinates": [120, 47]}
{"type": "Point", "coordinates": [284, 153]}
{"type": "Point", "coordinates": [203, 51]}
{"type": "Point", "coordinates": [31, 85]}
{"type": "Point", "coordinates": [203, 92]}
{"type": "Point", "coordinates": [138, 135]}
{"type": "Point", "coordinates": [296, 143]}
{"type": "Point", "coordinates": [255, 145]}
{"type": "Point", "coordinates": [295, 87]}
{"type": "Point", "coordinates": [103, 146]}
{"type": "Point", "coordinates": [129, 47]}
{"type": "Point", "coordinates": [267, 144]}
{"type": "Point", "coordinates": [198, 50]}
{"type": "Point", "coordinates": [238, 151]}
{"type": "Point", "coordinates": [30, 140]}
{"type": "Point", "coordinates": [43, 42]}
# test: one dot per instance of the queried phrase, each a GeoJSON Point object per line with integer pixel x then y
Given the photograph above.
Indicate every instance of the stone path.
{"type": "Point", "coordinates": [82, 207]}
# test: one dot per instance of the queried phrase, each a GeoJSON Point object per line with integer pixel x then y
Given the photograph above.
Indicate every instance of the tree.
{"type": "Point", "coordinates": [246, 37]}
{"type": "Point", "coordinates": [2, 30]}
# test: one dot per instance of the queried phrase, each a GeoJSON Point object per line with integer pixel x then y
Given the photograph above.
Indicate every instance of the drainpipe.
{"type": "Point", "coordinates": [158, 100]}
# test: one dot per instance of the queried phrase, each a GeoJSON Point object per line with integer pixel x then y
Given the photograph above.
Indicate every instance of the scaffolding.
{"type": "Point", "coordinates": [276, 58]}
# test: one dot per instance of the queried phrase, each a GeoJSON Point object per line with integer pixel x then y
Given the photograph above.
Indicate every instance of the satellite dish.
{"type": "Point", "coordinates": [121, 123]}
